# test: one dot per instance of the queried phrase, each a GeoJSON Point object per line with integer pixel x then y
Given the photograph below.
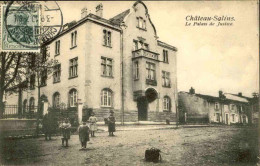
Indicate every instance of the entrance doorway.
{"type": "Point", "coordinates": [142, 105]}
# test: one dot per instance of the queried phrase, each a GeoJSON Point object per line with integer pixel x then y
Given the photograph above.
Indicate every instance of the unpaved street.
{"type": "Point", "coordinates": [221, 145]}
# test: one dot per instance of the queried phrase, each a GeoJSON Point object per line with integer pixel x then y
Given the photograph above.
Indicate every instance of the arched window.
{"type": "Point", "coordinates": [25, 106]}
{"type": "Point", "coordinates": [31, 104]}
{"type": "Point", "coordinates": [166, 103]}
{"type": "Point", "coordinates": [106, 98]}
{"type": "Point", "coordinates": [56, 100]}
{"type": "Point", "coordinates": [73, 97]}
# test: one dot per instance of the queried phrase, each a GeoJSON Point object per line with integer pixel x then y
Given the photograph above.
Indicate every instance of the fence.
{"type": "Point", "coordinates": [12, 111]}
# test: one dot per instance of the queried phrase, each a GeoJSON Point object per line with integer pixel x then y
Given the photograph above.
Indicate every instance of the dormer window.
{"type": "Point", "coordinates": [141, 23]}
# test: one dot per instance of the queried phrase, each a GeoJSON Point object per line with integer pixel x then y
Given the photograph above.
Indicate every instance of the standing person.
{"type": "Point", "coordinates": [65, 127]}
{"type": "Point", "coordinates": [111, 123]}
{"type": "Point", "coordinates": [46, 127]}
{"type": "Point", "coordinates": [83, 135]}
{"type": "Point", "coordinates": [93, 124]}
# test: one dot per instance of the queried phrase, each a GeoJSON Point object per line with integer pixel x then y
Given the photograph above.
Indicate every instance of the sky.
{"type": "Point", "coordinates": [209, 58]}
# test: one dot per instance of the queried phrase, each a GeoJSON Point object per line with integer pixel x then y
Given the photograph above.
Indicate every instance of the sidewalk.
{"type": "Point", "coordinates": [137, 127]}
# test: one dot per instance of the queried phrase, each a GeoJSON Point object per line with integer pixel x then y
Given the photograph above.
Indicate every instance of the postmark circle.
{"type": "Point", "coordinates": [30, 24]}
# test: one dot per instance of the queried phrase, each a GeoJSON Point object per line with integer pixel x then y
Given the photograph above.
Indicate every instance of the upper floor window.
{"type": "Point", "coordinates": [141, 23]}
{"type": "Point", "coordinates": [166, 103]}
{"type": "Point", "coordinates": [57, 47]}
{"type": "Point", "coordinates": [56, 73]}
{"type": "Point", "coordinates": [73, 70]}
{"type": "Point", "coordinates": [216, 105]}
{"type": "Point", "coordinates": [106, 98]}
{"type": "Point", "coordinates": [73, 97]}
{"type": "Point", "coordinates": [232, 106]}
{"type": "Point", "coordinates": [107, 66]}
{"type": "Point", "coordinates": [136, 70]}
{"type": "Point", "coordinates": [107, 38]}
{"type": "Point", "coordinates": [32, 81]}
{"type": "Point", "coordinates": [150, 71]}
{"type": "Point", "coordinates": [56, 99]}
{"type": "Point", "coordinates": [73, 39]}
{"type": "Point", "coordinates": [43, 80]}
{"type": "Point", "coordinates": [165, 56]}
{"type": "Point", "coordinates": [165, 79]}
{"type": "Point", "coordinates": [135, 45]}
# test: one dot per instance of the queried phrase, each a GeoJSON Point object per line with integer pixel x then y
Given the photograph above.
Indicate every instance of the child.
{"type": "Point", "coordinates": [65, 131]}
{"type": "Point", "coordinates": [83, 135]}
{"type": "Point", "coordinates": [93, 124]}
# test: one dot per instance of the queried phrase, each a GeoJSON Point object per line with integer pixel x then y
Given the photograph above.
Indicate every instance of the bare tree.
{"type": "Point", "coordinates": [12, 73]}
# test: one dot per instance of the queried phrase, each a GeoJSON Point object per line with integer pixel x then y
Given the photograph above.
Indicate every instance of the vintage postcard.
{"type": "Point", "coordinates": [129, 83]}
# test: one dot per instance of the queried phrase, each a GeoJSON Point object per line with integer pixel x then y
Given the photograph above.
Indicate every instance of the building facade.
{"type": "Point", "coordinates": [224, 109]}
{"type": "Point", "coordinates": [111, 64]}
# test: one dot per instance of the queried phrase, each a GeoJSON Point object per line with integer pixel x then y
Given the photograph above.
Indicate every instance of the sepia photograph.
{"type": "Point", "coordinates": [122, 83]}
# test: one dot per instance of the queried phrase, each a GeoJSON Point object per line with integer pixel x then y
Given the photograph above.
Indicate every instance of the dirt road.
{"type": "Point", "coordinates": [222, 145]}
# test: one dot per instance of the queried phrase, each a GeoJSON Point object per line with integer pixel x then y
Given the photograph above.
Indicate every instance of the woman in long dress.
{"type": "Point", "coordinates": [93, 124]}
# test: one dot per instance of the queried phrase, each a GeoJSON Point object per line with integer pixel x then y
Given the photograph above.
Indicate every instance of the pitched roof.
{"type": "Point", "coordinates": [120, 17]}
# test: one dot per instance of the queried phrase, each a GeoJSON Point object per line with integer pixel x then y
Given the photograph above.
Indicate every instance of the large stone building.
{"type": "Point", "coordinates": [226, 108]}
{"type": "Point", "coordinates": [116, 63]}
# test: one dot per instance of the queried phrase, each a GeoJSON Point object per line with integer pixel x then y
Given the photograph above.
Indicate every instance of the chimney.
{"type": "Point", "coordinates": [220, 94]}
{"type": "Point", "coordinates": [192, 91]}
{"type": "Point", "coordinates": [99, 10]}
{"type": "Point", "coordinates": [240, 94]}
{"type": "Point", "coordinates": [84, 12]}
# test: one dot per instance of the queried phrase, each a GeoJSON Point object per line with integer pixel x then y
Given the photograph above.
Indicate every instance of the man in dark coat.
{"type": "Point", "coordinates": [83, 135]}
{"type": "Point", "coordinates": [111, 123]}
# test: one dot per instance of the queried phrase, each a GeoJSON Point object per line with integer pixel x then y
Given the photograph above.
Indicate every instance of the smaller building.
{"type": "Point", "coordinates": [225, 108]}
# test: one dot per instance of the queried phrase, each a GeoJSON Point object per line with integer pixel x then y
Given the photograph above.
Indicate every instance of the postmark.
{"type": "Point", "coordinates": [27, 25]}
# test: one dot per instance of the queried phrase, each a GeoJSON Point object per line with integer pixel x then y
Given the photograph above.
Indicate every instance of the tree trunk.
{"type": "Point", "coordinates": [1, 104]}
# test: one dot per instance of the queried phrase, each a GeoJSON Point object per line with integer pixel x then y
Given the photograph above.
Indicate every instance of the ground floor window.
{"type": "Point", "coordinates": [233, 117]}
{"type": "Point", "coordinates": [106, 98]}
{"type": "Point", "coordinates": [56, 100]}
{"type": "Point", "coordinates": [73, 97]}
{"type": "Point", "coordinates": [166, 103]}
{"type": "Point", "coordinates": [217, 117]}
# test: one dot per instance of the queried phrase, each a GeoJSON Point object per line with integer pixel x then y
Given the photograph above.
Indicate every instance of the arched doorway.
{"type": "Point", "coordinates": [143, 101]}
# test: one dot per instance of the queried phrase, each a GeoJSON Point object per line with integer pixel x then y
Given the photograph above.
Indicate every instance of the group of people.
{"type": "Point", "coordinates": [86, 129]}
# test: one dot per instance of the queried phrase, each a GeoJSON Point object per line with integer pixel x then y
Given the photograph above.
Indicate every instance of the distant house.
{"type": "Point", "coordinates": [224, 109]}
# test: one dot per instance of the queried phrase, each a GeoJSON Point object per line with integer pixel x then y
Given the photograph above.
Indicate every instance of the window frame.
{"type": "Point", "coordinates": [165, 56]}
{"type": "Point", "coordinates": [165, 77]}
{"type": "Point", "coordinates": [73, 98]}
{"type": "Point", "coordinates": [166, 103]}
{"type": "Point", "coordinates": [73, 68]}
{"type": "Point", "coordinates": [149, 70]}
{"type": "Point", "coordinates": [106, 98]}
{"type": "Point", "coordinates": [54, 101]}
{"type": "Point", "coordinates": [105, 66]}
{"type": "Point", "coordinates": [107, 38]}
{"type": "Point", "coordinates": [216, 106]}
{"type": "Point", "coordinates": [73, 39]}
{"type": "Point", "coordinates": [57, 48]}
{"type": "Point", "coordinates": [57, 71]}
{"type": "Point", "coordinates": [136, 70]}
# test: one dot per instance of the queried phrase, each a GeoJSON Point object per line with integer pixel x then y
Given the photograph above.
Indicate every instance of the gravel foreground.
{"type": "Point", "coordinates": [223, 145]}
